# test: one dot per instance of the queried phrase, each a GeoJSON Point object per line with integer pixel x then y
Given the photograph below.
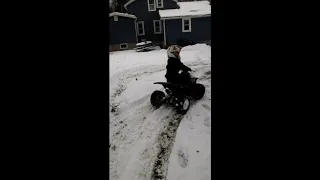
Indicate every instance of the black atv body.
{"type": "Point", "coordinates": [178, 95]}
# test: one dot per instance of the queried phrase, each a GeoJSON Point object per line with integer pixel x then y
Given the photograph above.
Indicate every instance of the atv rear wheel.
{"type": "Point", "coordinates": [157, 98]}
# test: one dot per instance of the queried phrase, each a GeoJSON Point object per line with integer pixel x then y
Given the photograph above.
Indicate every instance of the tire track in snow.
{"type": "Point", "coordinates": [143, 126]}
{"type": "Point", "coordinates": [165, 144]}
{"type": "Point", "coordinates": [127, 76]}
{"type": "Point", "coordinates": [165, 141]}
{"type": "Point", "coordinates": [142, 110]}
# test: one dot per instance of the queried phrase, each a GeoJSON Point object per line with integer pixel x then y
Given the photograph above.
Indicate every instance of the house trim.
{"type": "Point", "coordinates": [164, 33]}
{"type": "Point", "coordinates": [129, 2]}
{"type": "Point", "coordinates": [190, 25]}
{"type": "Point", "coordinates": [137, 28]}
{"type": "Point", "coordinates": [154, 27]}
{"type": "Point", "coordinates": [124, 44]}
{"type": "Point", "coordinates": [123, 15]}
{"type": "Point", "coordinates": [161, 3]}
{"type": "Point", "coordinates": [135, 25]}
{"type": "Point", "coordinates": [180, 17]}
{"type": "Point", "coordinates": [155, 6]}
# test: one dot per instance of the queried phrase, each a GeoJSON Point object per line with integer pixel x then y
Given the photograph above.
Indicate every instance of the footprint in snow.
{"type": "Point", "coordinates": [206, 107]}
{"type": "Point", "coordinates": [183, 157]}
{"type": "Point", "coordinates": [190, 122]}
{"type": "Point", "coordinates": [206, 121]}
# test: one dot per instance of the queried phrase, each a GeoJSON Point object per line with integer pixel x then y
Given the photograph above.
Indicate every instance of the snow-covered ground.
{"type": "Point", "coordinates": [148, 143]}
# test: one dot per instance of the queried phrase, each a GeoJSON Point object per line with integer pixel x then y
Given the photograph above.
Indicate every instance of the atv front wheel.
{"type": "Point", "coordinates": [157, 98]}
{"type": "Point", "coordinates": [184, 107]}
{"type": "Point", "coordinates": [198, 91]}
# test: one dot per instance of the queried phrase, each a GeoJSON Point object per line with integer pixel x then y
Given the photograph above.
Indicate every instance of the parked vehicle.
{"type": "Point", "coordinates": [145, 46]}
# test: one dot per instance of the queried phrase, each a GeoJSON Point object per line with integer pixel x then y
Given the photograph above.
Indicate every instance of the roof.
{"type": "Point", "coordinates": [123, 15]}
{"type": "Point", "coordinates": [131, 1]}
{"type": "Point", "coordinates": [187, 9]}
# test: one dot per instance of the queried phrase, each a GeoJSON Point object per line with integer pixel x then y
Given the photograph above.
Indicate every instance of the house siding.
{"type": "Point", "coordinates": [139, 8]}
{"type": "Point", "coordinates": [200, 30]}
{"type": "Point", "coordinates": [122, 31]}
{"type": "Point", "coordinates": [169, 4]}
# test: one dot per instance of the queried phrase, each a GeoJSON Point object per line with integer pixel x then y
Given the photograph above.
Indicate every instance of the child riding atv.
{"type": "Point", "coordinates": [175, 65]}
{"type": "Point", "coordinates": [179, 87]}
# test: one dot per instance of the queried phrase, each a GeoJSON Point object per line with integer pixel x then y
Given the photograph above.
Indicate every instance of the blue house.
{"type": "Point", "coordinates": [122, 31]}
{"type": "Point", "coordinates": [166, 22]}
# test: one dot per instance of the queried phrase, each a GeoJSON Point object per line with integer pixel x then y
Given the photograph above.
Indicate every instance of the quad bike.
{"type": "Point", "coordinates": [178, 95]}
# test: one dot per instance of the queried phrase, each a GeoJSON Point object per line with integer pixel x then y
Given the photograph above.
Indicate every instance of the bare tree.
{"type": "Point", "coordinates": [117, 5]}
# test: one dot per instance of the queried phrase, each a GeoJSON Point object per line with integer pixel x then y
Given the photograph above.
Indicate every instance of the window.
{"type": "Point", "coordinates": [115, 18]}
{"type": "Point", "coordinates": [124, 46]}
{"type": "Point", "coordinates": [157, 26]}
{"type": "Point", "coordinates": [140, 28]}
{"type": "Point", "coordinates": [186, 25]}
{"type": "Point", "coordinates": [151, 5]}
{"type": "Point", "coordinates": [159, 3]}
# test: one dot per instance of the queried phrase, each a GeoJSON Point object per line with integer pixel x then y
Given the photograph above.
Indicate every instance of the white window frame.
{"type": "Point", "coordinates": [115, 18]}
{"type": "Point", "coordinates": [157, 1]}
{"type": "Point", "coordinates": [124, 44]}
{"type": "Point", "coordinates": [154, 4]}
{"type": "Point", "coordinates": [184, 19]}
{"type": "Point", "coordinates": [154, 26]}
{"type": "Point", "coordinates": [140, 22]}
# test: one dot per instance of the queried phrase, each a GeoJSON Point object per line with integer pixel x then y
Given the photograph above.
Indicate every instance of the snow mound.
{"type": "Point", "coordinates": [197, 47]}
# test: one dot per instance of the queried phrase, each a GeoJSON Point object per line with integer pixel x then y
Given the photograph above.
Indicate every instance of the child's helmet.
{"type": "Point", "coordinates": [174, 51]}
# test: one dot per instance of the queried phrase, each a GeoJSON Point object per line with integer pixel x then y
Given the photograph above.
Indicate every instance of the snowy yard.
{"type": "Point", "coordinates": [148, 143]}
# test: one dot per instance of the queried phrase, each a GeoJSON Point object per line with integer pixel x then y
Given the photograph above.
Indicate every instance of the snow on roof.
{"type": "Point", "coordinates": [143, 43]}
{"type": "Point", "coordinates": [193, 8]}
{"type": "Point", "coordinates": [123, 15]}
{"type": "Point", "coordinates": [131, 1]}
